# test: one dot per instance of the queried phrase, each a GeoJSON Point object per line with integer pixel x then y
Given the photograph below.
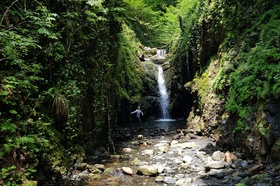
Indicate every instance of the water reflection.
{"type": "Point", "coordinates": [166, 124]}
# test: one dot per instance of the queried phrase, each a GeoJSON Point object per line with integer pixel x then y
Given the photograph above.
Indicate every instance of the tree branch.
{"type": "Point", "coordinates": [5, 13]}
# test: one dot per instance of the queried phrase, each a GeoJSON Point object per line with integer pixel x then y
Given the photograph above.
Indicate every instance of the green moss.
{"type": "Point", "coordinates": [203, 87]}
{"type": "Point", "coordinates": [29, 183]}
{"type": "Point", "coordinates": [188, 84]}
{"type": "Point", "coordinates": [241, 184]}
{"type": "Point", "coordinates": [95, 176]}
{"type": "Point", "coordinates": [262, 129]}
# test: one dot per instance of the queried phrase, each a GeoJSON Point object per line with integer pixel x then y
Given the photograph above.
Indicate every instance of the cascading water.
{"type": "Point", "coordinates": [161, 53]}
{"type": "Point", "coordinates": [164, 98]}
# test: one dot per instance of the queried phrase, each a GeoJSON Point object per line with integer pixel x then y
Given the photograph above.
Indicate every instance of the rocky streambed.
{"type": "Point", "coordinates": [175, 157]}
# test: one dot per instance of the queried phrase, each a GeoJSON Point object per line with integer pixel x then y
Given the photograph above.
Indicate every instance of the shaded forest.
{"type": "Point", "coordinates": [70, 72]}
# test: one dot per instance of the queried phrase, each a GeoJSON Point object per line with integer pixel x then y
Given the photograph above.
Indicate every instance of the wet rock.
{"type": "Point", "coordinates": [127, 150]}
{"type": "Point", "coordinates": [147, 152]}
{"type": "Point", "coordinates": [83, 166]}
{"type": "Point", "coordinates": [160, 167]}
{"type": "Point", "coordinates": [99, 166]}
{"type": "Point", "coordinates": [219, 173]}
{"type": "Point", "coordinates": [159, 179]}
{"type": "Point", "coordinates": [127, 170]}
{"type": "Point", "coordinates": [173, 143]}
{"type": "Point", "coordinates": [183, 182]}
{"type": "Point", "coordinates": [94, 176]}
{"type": "Point", "coordinates": [109, 170]}
{"type": "Point", "coordinates": [95, 171]}
{"type": "Point", "coordinates": [179, 176]}
{"type": "Point", "coordinates": [163, 148]}
{"type": "Point", "coordinates": [140, 137]}
{"type": "Point", "coordinates": [137, 162]}
{"type": "Point", "coordinates": [184, 145]}
{"type": "Point", "coordinates": [169, 180]}
{"type": "Point", "coordinates": [126, 156]}
{"type": "Point", "coordinates": [148, 170]}
{"type": "Point", "coordinates": [215, 165]}
{"type": "Point", "coordinates": [170, 170]}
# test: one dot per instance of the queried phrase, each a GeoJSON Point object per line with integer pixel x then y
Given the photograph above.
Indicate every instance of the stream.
{"type": "Point", "coordinates": [165, 154]}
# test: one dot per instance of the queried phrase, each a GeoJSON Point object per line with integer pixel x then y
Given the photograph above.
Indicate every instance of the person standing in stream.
{"type": "Point", "coordinates": [138, 114]}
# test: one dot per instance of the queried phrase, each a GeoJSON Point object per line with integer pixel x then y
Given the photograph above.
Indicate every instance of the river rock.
{"type": "Point", "coordinates": [127, 170]}
{"type": "Point", "coordinates": [94, 176]}
{"type": "Point", "coordinates": [148, 170]}
{"type": "Point", "coordinates": [159, 179]}
{"type": "Point", "coordinates": [160, 167]}
{"type": "Point", "coordinates": [215, 165]}
{"type": "Point", "coordinates": [201, 155]}
{"type": "Point", "coordinates": [83, 166]}
{"type": "Point", "coordinates": [184, 145]}
{"type": "Point", "coordinates": [173, 143]}
{"type": "Point", "coordinates": [218, 155]}
{"type": "Point", "coordinates": [229, 157]}
{"type": "Point", "coordinates": [187, 159]}
{"type": "Point", "coordinates": [127, 150]}
{"type": "Point", "coordinates": [244, 164]}
{"type": "Point", "coordinates": [185, 165]}
{"type": "Point", "coordinates": [183, 182]}
{"type": "Point", "coordinates": [163, 148]}
{"type": "Point", "coordinates": [99, 166]}
{"type": "Point", "coordinates": [109, 170]}
{"type": "Point", "coordinates": [169, 180]}
{"type": "Point", "coordinates": [148, 152]}
{"type": "Point", "coordinates": [140, 137]}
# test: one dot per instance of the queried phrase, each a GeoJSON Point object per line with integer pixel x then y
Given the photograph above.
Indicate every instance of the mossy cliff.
{"type": "Point", "coordinates": [226, 70]}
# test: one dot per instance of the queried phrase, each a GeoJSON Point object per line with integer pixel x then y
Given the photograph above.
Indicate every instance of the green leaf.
{"type": "Point", "coordinates": [4, 93]}
{"type": "Point", "coordinates": [13, 112]}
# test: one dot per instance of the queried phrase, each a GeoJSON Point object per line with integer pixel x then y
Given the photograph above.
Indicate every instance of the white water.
{"type": "Point", "coordinates": [164, 97]}
{"type": "Point", "coordinates": [161, 53]}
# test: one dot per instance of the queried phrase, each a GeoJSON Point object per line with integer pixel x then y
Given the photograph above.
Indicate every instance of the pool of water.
{"type": "Point", "coordinates": [165, 124]}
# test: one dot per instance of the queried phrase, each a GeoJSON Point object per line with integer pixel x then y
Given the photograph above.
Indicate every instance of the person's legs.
{"type": "Point", "coordinates": [139, 123]}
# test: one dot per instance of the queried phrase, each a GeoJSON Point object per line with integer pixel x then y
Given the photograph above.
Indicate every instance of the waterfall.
{"type": "Point", "coordinates": [161, 53]}
{"type": "Point", "coordinates": [164, 98]}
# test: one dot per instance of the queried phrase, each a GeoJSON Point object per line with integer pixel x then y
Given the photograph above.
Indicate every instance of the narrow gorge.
{"type": "Point", "coordinates": [204, 73]}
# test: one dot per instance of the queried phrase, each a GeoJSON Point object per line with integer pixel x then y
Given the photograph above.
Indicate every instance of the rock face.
{"type": "Point", "coordinates": [208, 117]}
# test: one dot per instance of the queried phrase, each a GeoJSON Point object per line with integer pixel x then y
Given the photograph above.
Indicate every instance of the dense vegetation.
{"type": "Point", "coordinates": [68, 68]}
{"type": "Point", "coordinates": [61, 64]}
{"type": "Point", "coordinates": [241, 39]}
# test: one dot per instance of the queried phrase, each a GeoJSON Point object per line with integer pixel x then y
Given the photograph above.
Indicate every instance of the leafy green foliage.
{"type": "Point", "coordinates": [256, 76]}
